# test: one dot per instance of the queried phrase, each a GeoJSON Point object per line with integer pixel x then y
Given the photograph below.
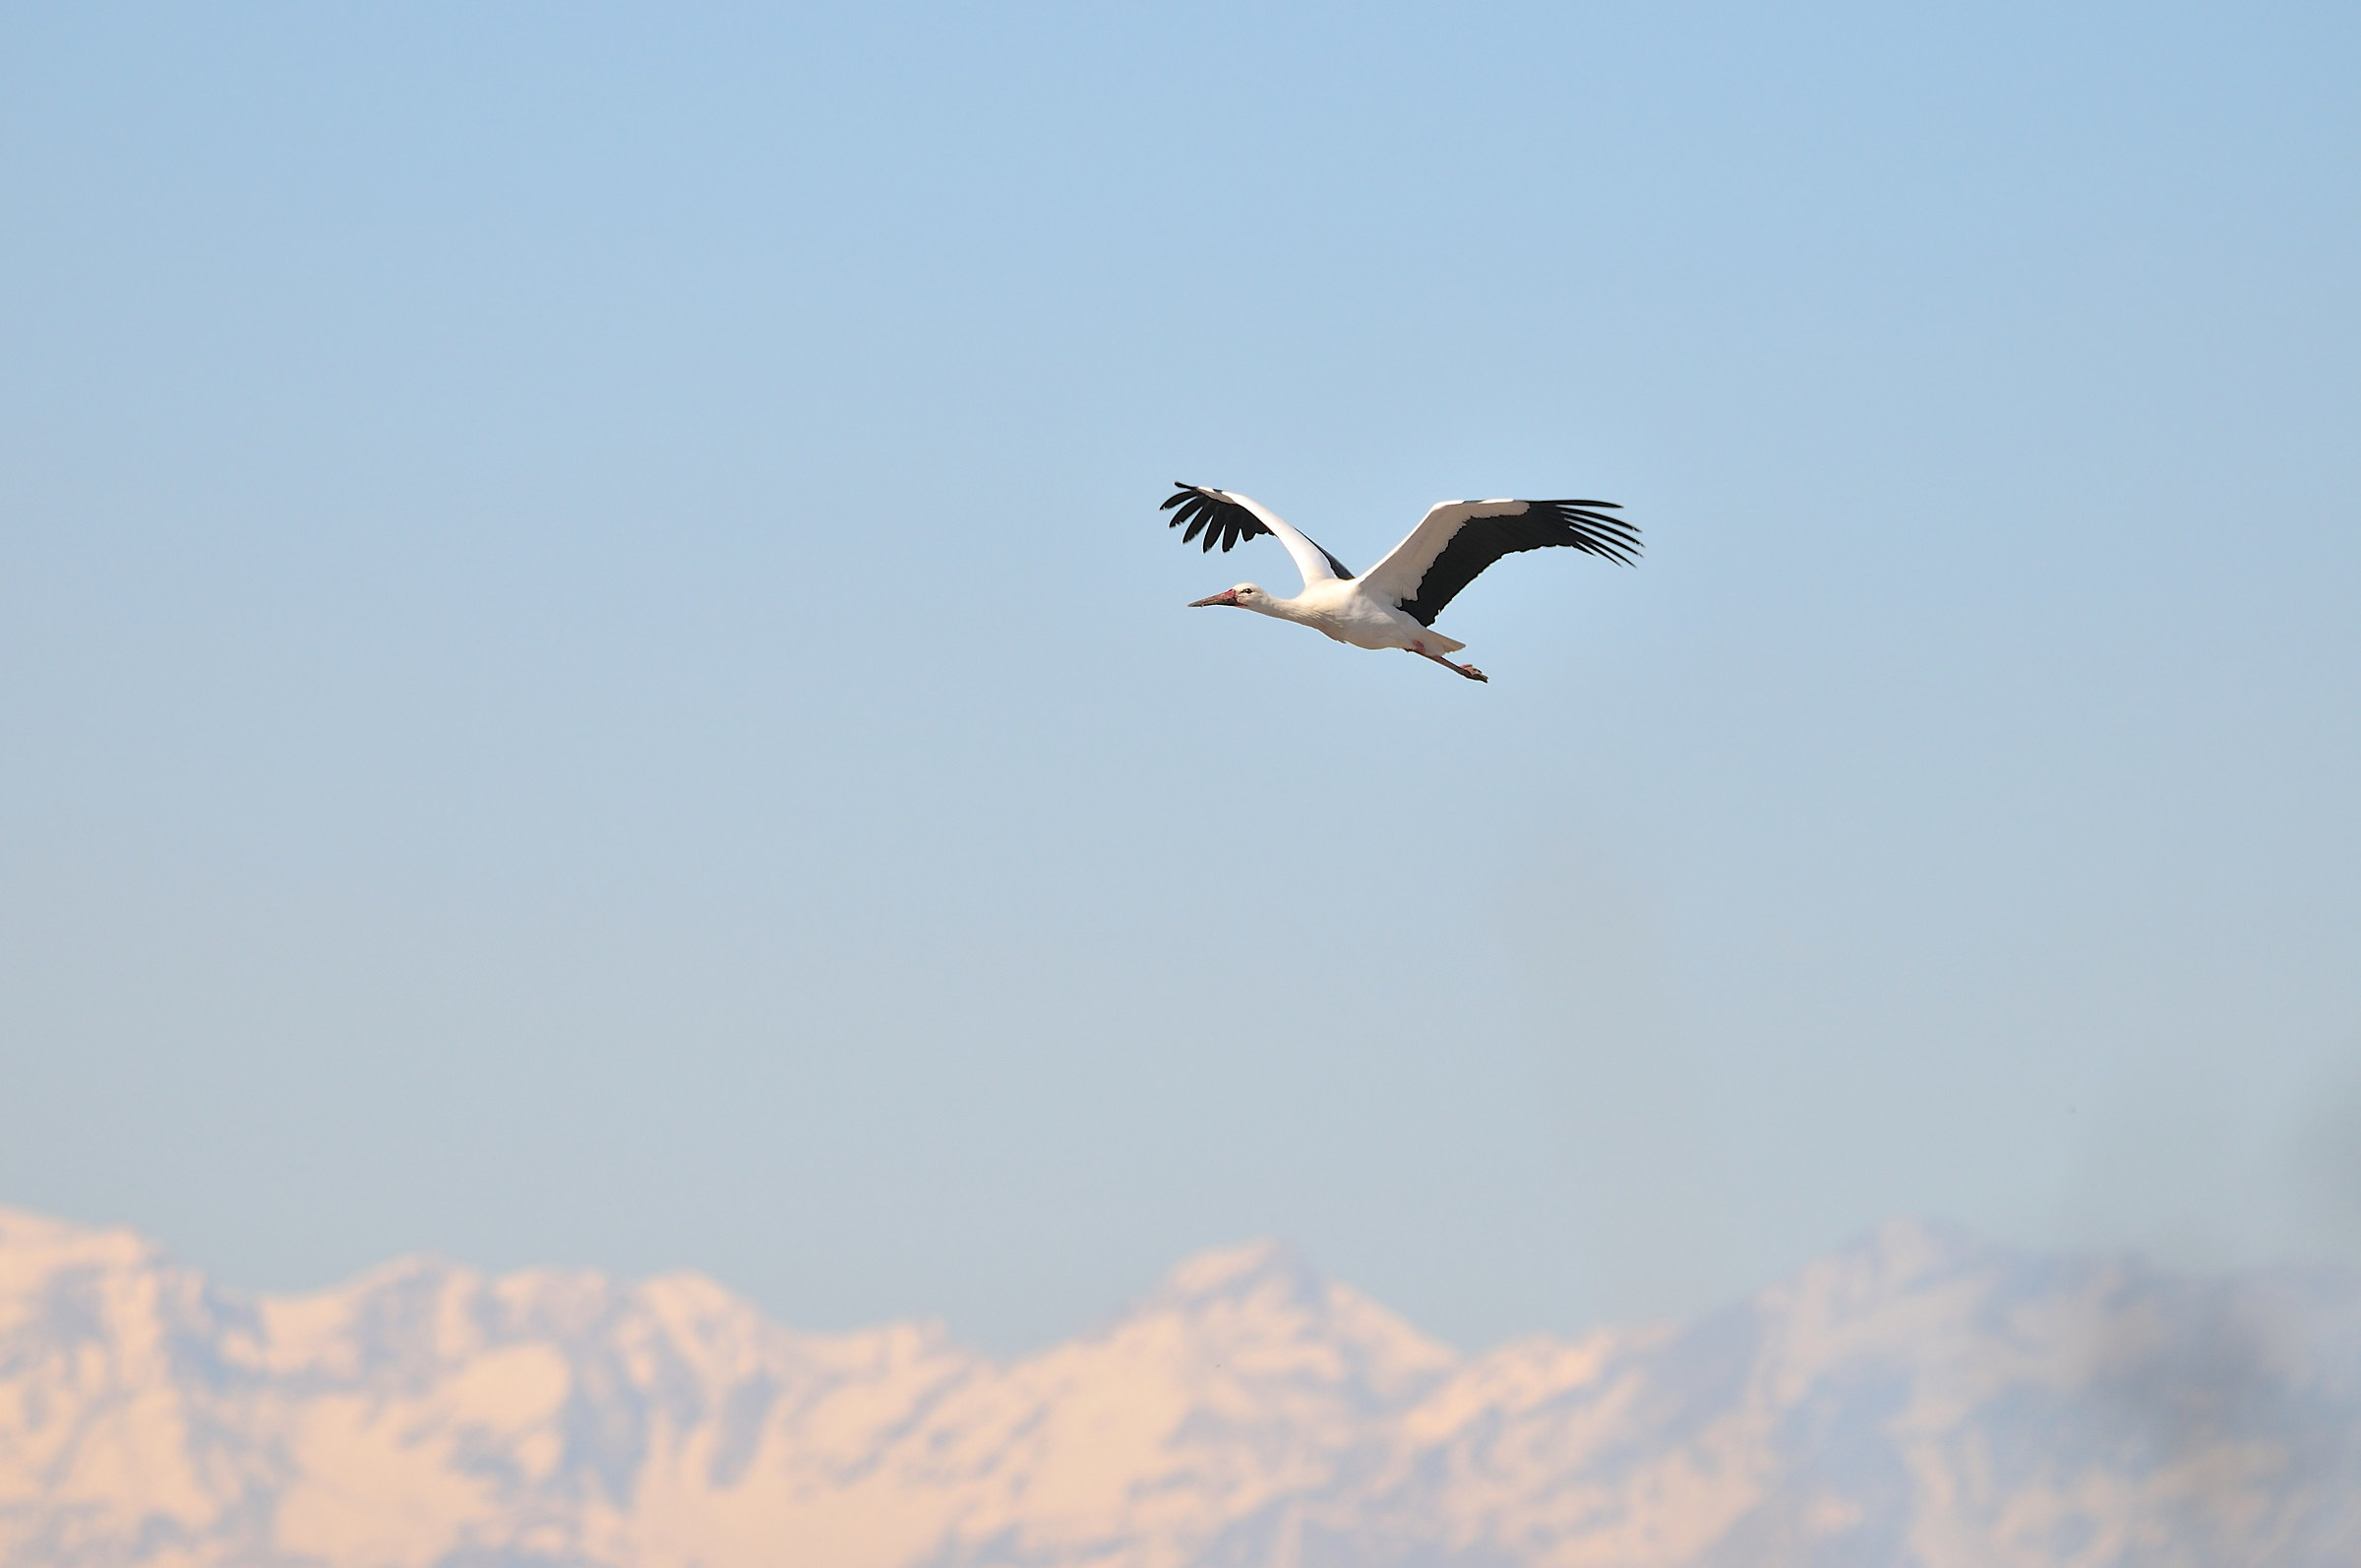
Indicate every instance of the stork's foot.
{"type": "Point", "coordinates": [1467, 670]}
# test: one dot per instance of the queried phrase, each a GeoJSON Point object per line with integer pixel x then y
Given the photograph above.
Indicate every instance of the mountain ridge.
{"type": "Point", "coordinates": [1920, 1396]}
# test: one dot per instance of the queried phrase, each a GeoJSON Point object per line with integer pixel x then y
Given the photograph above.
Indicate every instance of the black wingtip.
{"type": "Point", "coordinates": [1590, 528]}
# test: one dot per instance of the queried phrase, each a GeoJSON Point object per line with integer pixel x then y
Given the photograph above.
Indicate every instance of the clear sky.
{"type": "Point", "coordinates": [589, 671]}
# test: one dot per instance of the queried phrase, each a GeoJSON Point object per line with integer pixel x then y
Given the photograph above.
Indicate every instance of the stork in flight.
{"type": "Point", "coordinates": [1395, 605]}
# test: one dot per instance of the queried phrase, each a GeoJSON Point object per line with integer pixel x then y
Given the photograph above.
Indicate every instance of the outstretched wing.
{"type": "Point", "coordinates": [1457, 539]}
{"type": "Point", "coordinates": [1229, 517]}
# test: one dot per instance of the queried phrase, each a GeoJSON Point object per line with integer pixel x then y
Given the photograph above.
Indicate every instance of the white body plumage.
{"type": "Point", "coordinates": [1345, 610]}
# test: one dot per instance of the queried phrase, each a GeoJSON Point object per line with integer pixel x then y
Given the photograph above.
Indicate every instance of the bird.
{"type": "Point", "coordinates": [1394, 605]}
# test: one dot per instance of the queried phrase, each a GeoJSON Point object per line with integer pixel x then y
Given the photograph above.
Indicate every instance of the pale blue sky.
{"type": "Point", "coordinates": [593, 674]}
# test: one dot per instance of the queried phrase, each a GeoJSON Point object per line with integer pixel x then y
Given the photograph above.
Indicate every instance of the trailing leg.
{"type": "Point", "coordinates": [1467, 670]}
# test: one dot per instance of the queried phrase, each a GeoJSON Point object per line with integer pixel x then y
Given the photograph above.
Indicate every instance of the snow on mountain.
{"type": "Point", "coordinates": [1917, 1399]}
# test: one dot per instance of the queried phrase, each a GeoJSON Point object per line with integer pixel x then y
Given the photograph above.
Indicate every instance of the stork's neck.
{"type": "Point", "coordinates": [1270, 604]}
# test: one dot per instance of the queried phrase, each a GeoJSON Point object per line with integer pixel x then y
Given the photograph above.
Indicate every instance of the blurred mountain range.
{"type": "Point", "coordinates": [1919, 1398]}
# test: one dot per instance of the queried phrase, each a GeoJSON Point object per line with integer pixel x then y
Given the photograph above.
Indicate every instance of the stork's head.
{"type": "Point", "coordinates": [1245, 597]}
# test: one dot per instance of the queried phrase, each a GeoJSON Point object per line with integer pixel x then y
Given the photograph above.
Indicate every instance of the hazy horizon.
{"type": "Point", "coordinates": [1922, 1397]}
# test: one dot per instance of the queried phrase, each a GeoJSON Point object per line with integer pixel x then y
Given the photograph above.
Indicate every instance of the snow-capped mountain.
{"type": "Point", "coordinates": [1919, 1399]}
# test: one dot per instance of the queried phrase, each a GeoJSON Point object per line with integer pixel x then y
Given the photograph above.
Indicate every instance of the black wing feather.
{"type": "Point", "coordinates": [1221, 519]}
{"type": "Point", "coordinates": [1481, 541]}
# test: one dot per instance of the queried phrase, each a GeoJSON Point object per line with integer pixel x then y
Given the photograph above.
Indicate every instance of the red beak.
{"type": "Point", "coordinates": [1226, 596]}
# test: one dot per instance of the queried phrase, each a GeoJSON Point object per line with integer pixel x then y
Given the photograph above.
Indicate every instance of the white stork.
{"type": "Point", "coordinates": [1395, 605]}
